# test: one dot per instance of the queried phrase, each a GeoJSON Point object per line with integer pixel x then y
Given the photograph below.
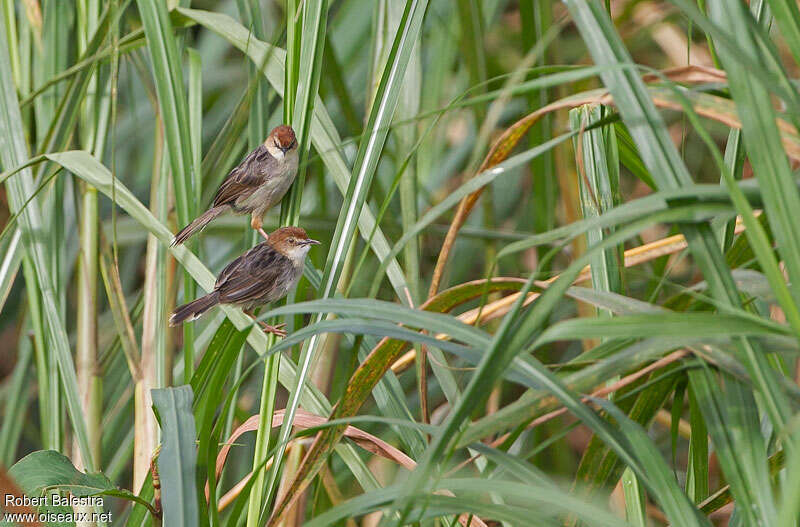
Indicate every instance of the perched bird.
{"type": "Point", "coordinates": [262, 275]}
{"type": "Point", "coordinates": [256, 185]}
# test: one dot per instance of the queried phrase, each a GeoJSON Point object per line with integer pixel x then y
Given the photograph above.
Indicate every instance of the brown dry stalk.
{"type": "Point", "coordinates": [600, 392]}
{"type": "Point", "coordinates": [304, 420]}
{"type": "Point", "coordinates": [501, 149]}
{"type": "Point", "coordinates": [498, 308]}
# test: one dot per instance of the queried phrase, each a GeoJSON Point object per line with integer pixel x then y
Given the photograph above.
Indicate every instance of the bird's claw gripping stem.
{"type": "Point", "coordinates": [275, 330]}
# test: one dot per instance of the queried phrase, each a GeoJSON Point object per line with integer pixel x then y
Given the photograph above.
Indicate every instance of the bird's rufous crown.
{"type": "Point", "coordinates": [279, 236]}
{"type": "Point", "coordinates": [283, 135]}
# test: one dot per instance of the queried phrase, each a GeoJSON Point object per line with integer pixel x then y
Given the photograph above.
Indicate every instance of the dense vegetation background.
{"type": "Point", "coordinates": [559, 279]}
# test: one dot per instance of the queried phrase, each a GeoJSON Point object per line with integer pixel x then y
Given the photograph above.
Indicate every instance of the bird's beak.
{"type": "Point", "coordinates": [311, 242]}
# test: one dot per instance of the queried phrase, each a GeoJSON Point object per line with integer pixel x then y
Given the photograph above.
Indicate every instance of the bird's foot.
{"type": "Point", "coordinates": [278, 330]}
{"type": "Point", "coordinates": [264, 234]}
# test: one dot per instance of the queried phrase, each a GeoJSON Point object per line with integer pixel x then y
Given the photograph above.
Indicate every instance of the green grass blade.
{"type": "Point", "coordinates": [324, 136]}
{"type": "Point", "coordinates": [698, 469]}
{"type": "Point", "coordinates": [195, 110]}
{"type": "Point", "coordinates": [16, 404]}
{"type": "Point", "coordinates": [598, 180]}
{"type": "Point", "coordinates": [90, 170]}
{"type": "Point", "coordinates": [12, 153]}
{"type": "Point", "coordinates": [363, 170]}
{"type": "Point", "coordinates": [177, 460]}
{"type": "Point", "coordinates": [762, 141]}
{"type": "Point", "coordinates": [314, 22]}
{"type": "Point", "coordinates": [787, 16]}
{"type": "Point", "coordinates": [635, 499]}
{"type": "Point", "coordinates": [168, 77]}
{"type": "Point", "coordinates": [661, 157]}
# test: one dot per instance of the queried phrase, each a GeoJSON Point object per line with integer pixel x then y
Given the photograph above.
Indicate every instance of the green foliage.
{"type": "Point", "coordinates": [177, 460]}
{"type": "Point", "coordinates": [620, 300]}
{"type": "Point", "coordinates": [45, 471]}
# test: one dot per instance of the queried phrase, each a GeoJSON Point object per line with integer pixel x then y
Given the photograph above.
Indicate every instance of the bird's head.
{"type": "Point", "coordinates": [281, 141]}
{"type": "Point", "coordinates": [292, 242]}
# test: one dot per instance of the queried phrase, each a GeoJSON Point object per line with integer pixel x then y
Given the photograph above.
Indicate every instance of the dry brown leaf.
{"type": "Point", "coordinates": [304, 420]}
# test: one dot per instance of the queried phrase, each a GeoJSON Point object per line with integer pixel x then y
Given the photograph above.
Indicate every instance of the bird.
{"type": "Point", "coordinates": [256, 185]}
{"type": "Point", "coordinates": [263, 274]}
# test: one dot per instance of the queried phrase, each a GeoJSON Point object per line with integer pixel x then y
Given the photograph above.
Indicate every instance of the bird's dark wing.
{"type": "Point", "coordinates": [246, 177]}
{"type": "Point", "coordinates": [229, 270]}
{"type": "Point", "coordinates": [252, 276]}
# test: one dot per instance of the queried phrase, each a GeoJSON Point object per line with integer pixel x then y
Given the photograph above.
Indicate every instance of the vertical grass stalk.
{"type": "Point", "coordinates": [195, 99]}
{"type": "Point", "coordinates": [261, 494]}
{"type": "Point", "coordinates": [153, 325]}
{"type": "Point", "coordinates": [370, 148]}
{"type": "Point", "coordinates": [265, 411]}
{"type": "Point", "coordinates": [92, 139]}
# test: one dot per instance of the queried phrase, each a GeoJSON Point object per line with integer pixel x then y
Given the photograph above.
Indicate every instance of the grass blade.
{"type": "Point", "coordinates": [168, 77]}
{"type": "Point", "coordinates": [363, 171]}
{"type": "Point", "coordinates": [324, 136]}
{"type": "Point", "coordinates": [177, 460]}
{"type": "Point", "coordinates": [661, 157]}
{"type": "Point", "coordinates": [13, 152]}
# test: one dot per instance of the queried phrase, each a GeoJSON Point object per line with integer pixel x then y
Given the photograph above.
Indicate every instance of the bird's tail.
{"type": "Point", "coordinates": [194, 310]}
{"type": "Point", "coordinates": [198, 224]}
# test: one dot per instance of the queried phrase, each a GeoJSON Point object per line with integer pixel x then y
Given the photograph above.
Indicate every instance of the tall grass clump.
{"type": "Point", "coordinates": [558, 283]}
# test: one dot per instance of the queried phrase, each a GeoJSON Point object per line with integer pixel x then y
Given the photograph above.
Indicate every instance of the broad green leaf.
{"type": "Point", "coordinates": [177, 459]}
{"type": "Point", "coordinates": [45, 470]}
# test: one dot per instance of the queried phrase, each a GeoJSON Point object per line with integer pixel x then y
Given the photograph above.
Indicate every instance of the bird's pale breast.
{"type": "Point", "coordinates": [273, 189]}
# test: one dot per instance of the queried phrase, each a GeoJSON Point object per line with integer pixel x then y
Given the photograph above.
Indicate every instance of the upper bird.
{"type": "Point", "coordinates": [257, 184]}
{"type": "Point", "coordinates": [264, 274]}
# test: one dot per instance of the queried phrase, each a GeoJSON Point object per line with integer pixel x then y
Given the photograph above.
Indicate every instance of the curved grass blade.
{"type": "Point", "coordinates": [376, 364]}
{"type": "Point", "coordinates": [324, 136]}
{"type": "Point", "coordinates": [13, 151]}
{"type": "Point", "coordinates": [689, 325]}
{"type": "Point", "coordinates": [662, 159]}
{"type": "Point", "coordinates": [89, 169]}
{"type": "Point", "coordinates": [516, 331]}
{"type": "Point", "coordinates": [762, 141]}
{"type": "Point", "coordinates": [389, 312]}
{"type": "Point", "coordinates": [369, 152]}
{"type": "Point", "coordinates": [173, 106]}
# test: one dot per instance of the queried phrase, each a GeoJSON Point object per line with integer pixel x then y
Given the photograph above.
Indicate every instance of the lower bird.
{"type": "Point", "coordinates": [262, 275]}
{"type": "Point", "coordinates": [257, 184]}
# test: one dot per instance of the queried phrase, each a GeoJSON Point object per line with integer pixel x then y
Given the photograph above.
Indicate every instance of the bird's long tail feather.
{"type": "Point", "coordinates": [198, 224]}
{"type": "Point", "coordinates": [194, 310]}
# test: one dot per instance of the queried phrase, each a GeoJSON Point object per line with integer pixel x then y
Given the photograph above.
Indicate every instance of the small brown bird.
{"type": "Point", "coordinates": [256, 185]}
{"type": "Point", "coordinates": [264, 274]}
